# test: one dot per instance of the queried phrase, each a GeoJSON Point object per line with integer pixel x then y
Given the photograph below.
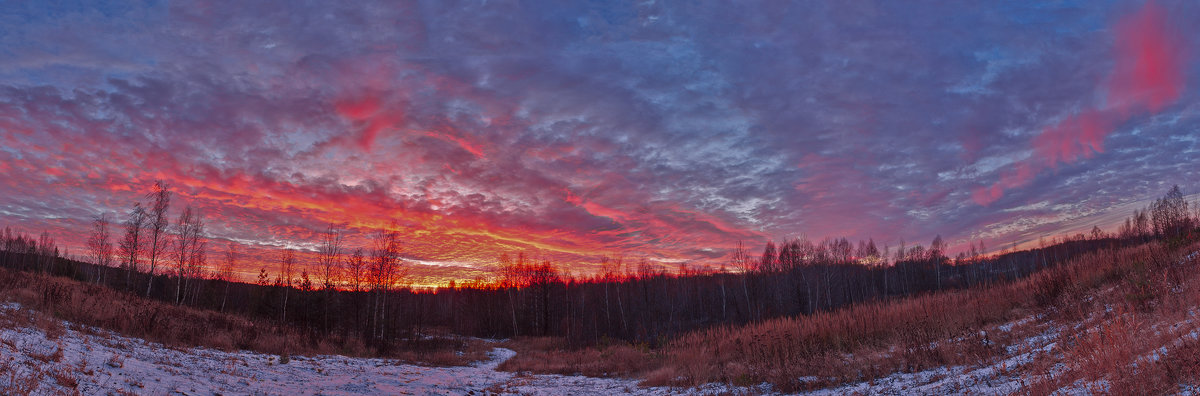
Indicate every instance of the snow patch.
{"type": "Point", "coordinates": [102, 362]}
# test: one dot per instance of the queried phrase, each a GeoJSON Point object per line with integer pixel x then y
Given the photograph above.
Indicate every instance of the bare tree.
{"type": "Point", "coordinates": [509, 281]}
{"type": "Point", "coordinates": [131, 244]}
{"type": "Point", "coordinates": [328, 258]}
{"type": "Point", "coordinates": [328, 255]}
{"type": "Point", "coordinates": [160, 198]}
{"type": "Point", "coordinates": [742, 261]}
{"type": "Point", "coordinates": [937, 250]}
{"type": "Point", "coordinates": [287, 263]}
{"type": "Point", "coordinates": [385, 272]}
{"type": "Point", "coordinates": [613, 270]}
{"type": "Point", "coordinates": [542, 278]}
{"type": "Point", "coordinates": [225, 273]}
{"type": "Point", "coordinates": [187, 248]}
{"type": "Point", "coordinates": [1141, 223]}
{"type": "Point", "coordinates": [195, 271]}
{"type": "Point", "coordinates": [100, 246]}
{"type": "Point", "coordinates": [1196, 215]}
{"type": "Point", "coordinates": [1169, 214]}
{"type": "Point", "coordinates": [356, 269]}
{"type": "Point", "coordinates": [46, 252]}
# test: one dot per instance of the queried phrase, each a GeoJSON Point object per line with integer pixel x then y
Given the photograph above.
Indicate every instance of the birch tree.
{"type": "Point", "coordinates": [287, 264]}
{"type": "Point", "coordinates": [225, 273]}
{"type": "Point", "coordinates": [131, 243]}
{"type": "Point", "coordinates": [100, 246]}
{"type": "Point", "coordinates": [385, 272]}
{"type": "Point", "coordinates": [328, 258]}
{"type": "Point", "coordinates": [160, 200]}
{"type": "Point", "coordinates": [187, 249]}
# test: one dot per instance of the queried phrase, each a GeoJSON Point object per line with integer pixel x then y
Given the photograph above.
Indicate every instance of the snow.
{"type": "Point", "coordinates": [102, 362]}
{"type": "Point", "coordinates": [1000, 377]}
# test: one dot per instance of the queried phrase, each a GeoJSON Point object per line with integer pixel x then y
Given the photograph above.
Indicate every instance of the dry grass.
{"type": "Point", "coordinates": [12, 382]}
{"type": "Point", "coordinates": [959, 327]}
{"type": "Point", "coordinates": [872, 340]}
{"type": "Point", "coordinates": [179, 326]}
{"type": "Point", "coordinates": [551, 355]}
{"type": "Point", "coordinates": [64, 377]}
{"type": "Point", "coordinates": [172, 325]}
{"type": "Point", "coordinates": [1135, 335]}
{"type": "Point", "coordinates": [443, 351]}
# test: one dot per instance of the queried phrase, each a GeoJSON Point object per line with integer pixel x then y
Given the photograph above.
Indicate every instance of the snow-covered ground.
{"type": "Point", "coordinates": [989, 378]}
{"type": "Point", "coordinates": [93, 361]}
{"type": "Point", "coordinates": [101, 362]}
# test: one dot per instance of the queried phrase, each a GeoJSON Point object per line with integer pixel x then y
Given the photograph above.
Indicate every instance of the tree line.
{"type": "Point", "coordinates": [362, 292]}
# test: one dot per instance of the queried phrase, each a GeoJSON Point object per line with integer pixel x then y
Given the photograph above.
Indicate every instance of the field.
{"type": "Point", "coordinates": [1120, 321]}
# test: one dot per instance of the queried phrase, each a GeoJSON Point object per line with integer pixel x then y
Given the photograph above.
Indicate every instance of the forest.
{"type": "Point", "coordinates": [359, 294]}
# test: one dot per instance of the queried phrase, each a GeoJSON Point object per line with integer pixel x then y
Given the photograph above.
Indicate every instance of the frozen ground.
{"type": "Point", "coordinates": [93, 361]}
{"type": "Point", "coordinates": [993, 378]}
{"type": "Point", "coordinates": [100, 362]}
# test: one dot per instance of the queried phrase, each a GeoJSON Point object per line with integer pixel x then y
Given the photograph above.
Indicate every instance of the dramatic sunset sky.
{"type": "Point", "coordinates": [657, 131]}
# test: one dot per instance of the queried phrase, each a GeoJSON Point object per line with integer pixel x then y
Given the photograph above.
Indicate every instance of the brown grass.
{"type": "Point", "coordinates": [1120, 294]}
{"type": "Point", "coordinates": [871, 340]}
{"type": "Point", "coordinates": [551, 355]}
{"type": "Point", "coordinates": [64, 377]}
{"type": "Point", "coordinates": [12, 382]}
{"type": "Point", "coordinates": [443, 351]}
{"type": "Point", "coordinates": [179, 326]}
{"type": "Point", "coordinates": [1135, 334]}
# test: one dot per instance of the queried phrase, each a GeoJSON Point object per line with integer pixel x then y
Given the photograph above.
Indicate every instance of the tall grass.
{"type": "Point", "coordinates": [874, 339]}
{"type": "Point", "coordinates": [1134, 334]}
{"type": "Point", "coordinates": [97, 306]}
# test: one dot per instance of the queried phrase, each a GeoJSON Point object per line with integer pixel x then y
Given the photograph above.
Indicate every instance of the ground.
{"type": "Point", "coordinates": [95, 361]}
{"type": "Point", "coordinates": [1098, 352]}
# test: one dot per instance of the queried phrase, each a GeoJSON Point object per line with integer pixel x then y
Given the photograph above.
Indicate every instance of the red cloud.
{"type": "Point", "coordinates": [1077, 136]}
{"type": "Point", "coordinates": [1148, 76]}
{"type": "Point", "coordinates": [1149, 70]}
{"type": "Point", "coordinates": [370, 115]}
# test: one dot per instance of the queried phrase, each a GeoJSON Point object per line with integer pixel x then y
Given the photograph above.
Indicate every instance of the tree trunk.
{"type": "Point", "coordinates": [225, 296]}
{"type": "Point", "coordinates": [283, 315]}
{"type": "Point", "coordinates": [512, 304]}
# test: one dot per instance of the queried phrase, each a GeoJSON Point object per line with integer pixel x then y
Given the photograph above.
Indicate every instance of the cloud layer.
{"type": "Point", "coordinates": [578, 130]}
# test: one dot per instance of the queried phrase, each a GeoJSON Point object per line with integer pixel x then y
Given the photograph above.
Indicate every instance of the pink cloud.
{"type": "Point", "coordinates": [370, 115]}
{"type": "Point", "coordinates": [1150, 62]}
{"type": "Point", "coordinates": [1077, 136]}
{"type": "Point", "coordinates": [1148, 76]}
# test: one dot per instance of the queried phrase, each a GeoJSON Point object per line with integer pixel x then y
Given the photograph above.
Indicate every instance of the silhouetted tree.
{"type": "Point", "coordinates": [328, 257]}
{"type": "Point", "coordinates": [741, 260]}
{"type": "Point", "coordinates": [287, 263]}
{"type": "Point", "coordinates": [187, 248]}
{"type": "Point", "coordinates": [356, 269]}
{"type": "Point", "coordinates": [160, 200]}
{"type": "Point", "coordinates": [131, 244]}
{"type": "Point", "coordinates": [385, 272]}
{"type": "Point", "coordinates": [100, 246]}
{"type": "Point", "coordinates": [45, 252]}
{"type": "Point", "coordinates": [1170, 216]}
{"type": "Point", "coordinates": [510, 282]}
{"type": "Point", "coordinates": [937, 256]}
{"type": "Point", "coordinates": [225, 273]}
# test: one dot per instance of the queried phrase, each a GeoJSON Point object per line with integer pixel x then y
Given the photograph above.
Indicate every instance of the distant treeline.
{"type": "Point", "coordinates": [631, 302]}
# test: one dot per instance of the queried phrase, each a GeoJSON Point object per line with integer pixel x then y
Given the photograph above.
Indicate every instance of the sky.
{"type": "Point", "coordinates": [657, 131]}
